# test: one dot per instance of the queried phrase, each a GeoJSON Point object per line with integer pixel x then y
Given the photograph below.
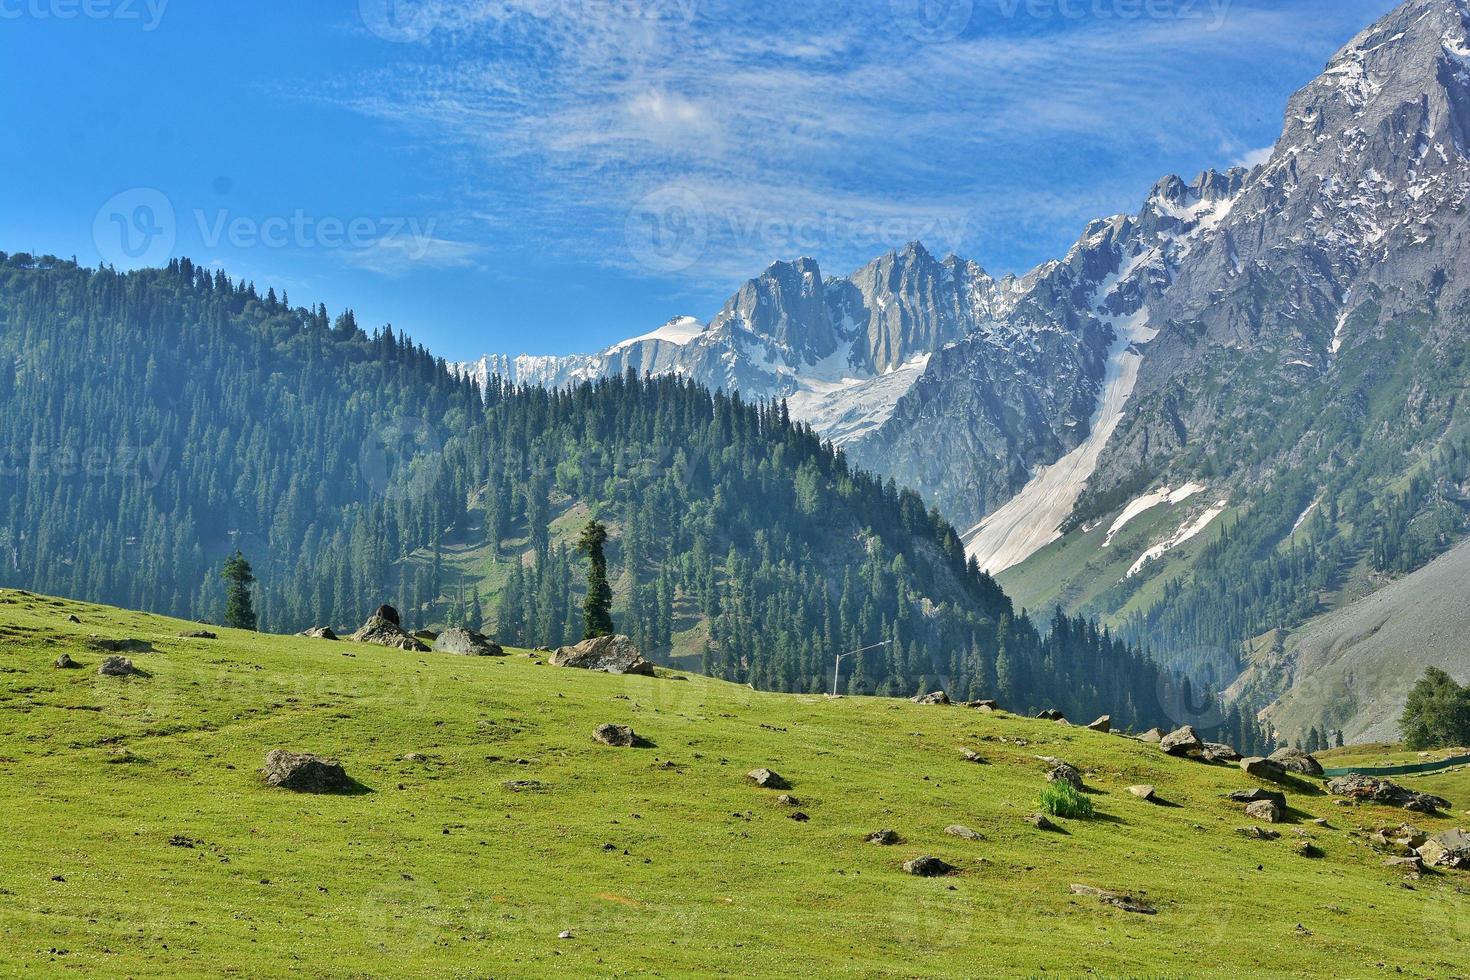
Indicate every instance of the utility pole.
{"type": "Point", "coordinates": [851, 653]}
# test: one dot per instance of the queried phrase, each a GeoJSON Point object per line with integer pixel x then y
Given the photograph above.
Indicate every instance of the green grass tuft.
{"type": "Point", "coordinates": [1063, 800]}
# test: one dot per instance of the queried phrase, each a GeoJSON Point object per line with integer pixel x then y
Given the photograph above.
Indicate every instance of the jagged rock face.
{"type": "Point", "coordinates": [1357, 219]}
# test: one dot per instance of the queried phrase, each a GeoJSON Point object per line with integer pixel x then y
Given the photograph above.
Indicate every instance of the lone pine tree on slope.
{"type": "Point", "coordinates": [239, 577]}
{"type": "Point", "coordinates": [597, 610]}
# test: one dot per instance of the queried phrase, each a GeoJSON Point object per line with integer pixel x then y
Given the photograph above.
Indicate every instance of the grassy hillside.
{"type": "Point", "coordinates": [141, 840]}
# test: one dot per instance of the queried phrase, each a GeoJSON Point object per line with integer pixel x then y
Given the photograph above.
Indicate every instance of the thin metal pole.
{"type": "Point", "coordinates": [837, 667]}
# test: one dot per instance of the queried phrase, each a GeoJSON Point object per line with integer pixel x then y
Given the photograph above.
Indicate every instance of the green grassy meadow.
{"type": "Point", "coordinates": [139, 838]}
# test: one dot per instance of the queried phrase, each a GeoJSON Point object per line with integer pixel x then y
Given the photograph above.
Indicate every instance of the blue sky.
{"type": "Point", "coordinates": [550, 176]}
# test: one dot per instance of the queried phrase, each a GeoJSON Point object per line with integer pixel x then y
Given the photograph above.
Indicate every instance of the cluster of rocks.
{"type": "Point", "coordinates": [119, 646]}
{"type": "Point", "coordinates": [1372, 789]}
{"type": "Point", "coordinates": [1116, 899]}
{"type": "Point", "coordinates": [385, 629]}
{"type": "Point", "coordinates": [1414, 850]}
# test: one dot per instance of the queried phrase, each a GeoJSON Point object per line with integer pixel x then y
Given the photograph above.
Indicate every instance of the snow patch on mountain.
{"type": "Point", "coordinates": [1148, 502]}
{"type": "Point", "coordinates": [1185, 534]}
{"type": "Point", "coordinates": [1033, 518]}
{"type": "Point", "coordinates": [679, 331]}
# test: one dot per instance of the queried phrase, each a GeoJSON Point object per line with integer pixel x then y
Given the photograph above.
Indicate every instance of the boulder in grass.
{"type": "Point", "coordinates": [302, 772]}
{"type": "Point", "coordinates": [1266, 811]}
{"type": "Point", "coordinates": [1051, 714]}
{"type": "Point", "coordinates": [1372, 789]}
{"type": "Point", "coordinates": [466, 643]}
{"type": "Point", "coordinates": [767, 779]}
{"type": "Point", "coordinates": [884, 838]}
{"type": "Point", "coordinates": [1143, 792]}
{"type": "Point", "coordinates": [618, 736]}
{"type": "Point", "coordinates": [983, 705]}
{"type": "Point", "coordinates": [1256, 794]}
{"type": "Point", "coordinates": [607, 654]}
{"type": "Point", "coordinates": [65, 662]}
{"type": "Point", "coordinates": [383, 632]}
{"type": "Point", "coordinates": [1064, 772]}
{"type": "Point", "coordinates": [1264, 769]}
{"type": "Point", "coordinates": [73, 618]}
{"type": "Point", "coordinates": [963, 832]}
{"type": "Point", "coordinates": [1257, 833]}
{"type": "Point", "coordinates": [938, 697]}
{"type": "Point", "coordinates": [1220, 752]}
{"type": "Point", "coordinates": [198, 635]}
{"type": "Point", "coordinates": [1295, 760]}
{"type": "Point", "coordinates": [1041, 822]}
{"type": "Point", "coordinates": [319, 633]}
{"type": "Point", "coordinates": [390, 614]}
{"type": "Point", "coordinates": [929, 867]}
{"type": "Point", "coordinates": [1181, 741]}
{"type": "Point", "coordinates": [117, 667]}
{"type": "Point", "coordinates": [1450, 849]}
{"type": "Point", "coordinates": [1103, 724]}
{"type": "Point", "coordinates": [1153, 736]}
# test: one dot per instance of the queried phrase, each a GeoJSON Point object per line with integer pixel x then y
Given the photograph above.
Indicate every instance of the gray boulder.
{"type": "Point", "coordinates": [1253, 795]}
{"type": "Point", "coordinates": [303, 772]}
{"type": "Point", "coordinates": [1264, 769]}
{"type": "Point", "coordinates": [1220, 752]}
{"type": "Point", "coordinates": [1295, 760]}
{"type": "Point", "coordinates": [1153, 735]}
{"type": "Point", "coordinates": [767, 779]}
{"type": "Point", "coordinates": [1257, 833]}
{"type": "Point", "coordinates": [1266, 811]}
{"type": "Point", "coordinates": [388, 613]}
{"type": "Point", "coordinates": [938, 697]}
{"type": "Point", "coordinates": [884, 838]}
{"type": "Point", "coordinates": [1372, 789]}
{"type": "Point", "coordinates": [1041, 822]}
{"type": "Point", "coordinates": [1181, 741]}
{"type": "Point", "coordinates": [608, 654]}
{"type": "Point", "coordinates": [466, 643]}
{"type": "Point", "coordinates": [618, 736]}
{"type": "Point", "coordinates": [963, 832]}
{"type": "Point", "coordinates": [383, 632]}
{"type": "Point", "coordinates": [1103, 724]}
{"type": "Point", "coordinates": [1144, 792]}
{"type": "Point", "coordinates": [117, 667]}
{"type": "Point", "coordinates": [1064, 772]}
{"type": "Point", "coordinates": [1051, 714]}
{"type": "Point", "coordinates": [983, 705]}
{"type": "Point", "coordinates": [929, 867]}
{"type": "Point", "coordinates": [1450, 849]}
{"type": "Point", "coordinates": [198, 635]}
{"type": "Point", "coordinates": [65, 662]}
{"type": "Point", "coordinates": [319, 633]}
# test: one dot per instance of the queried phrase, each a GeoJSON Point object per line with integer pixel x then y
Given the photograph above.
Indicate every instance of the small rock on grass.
{"type": "Point", "coordinates": [929, 867]}
{"type": "Point", "coordinates": [884, 838]}
{"type": "Point", "coordinates": [1257, 833]}
{"type": "Point", "coordinates": [963, 832]}
{"type": "Point", "coordinates": [1147, 793]}
{"type": "Point", "coordinates": [303, 772]}
{"type": "Point", "coordinates": [767, 779]}
{"type": "Point", "coordinates": [1266, 810]}
{"type": "Point", "coordinates": [1041, 822]}
{"type": "Point", "coordinates": [65, 662]}
{"type": "Point", "coordinates": [1063, 772]}
{"type": "Point", "coordinates": [1116, 899]}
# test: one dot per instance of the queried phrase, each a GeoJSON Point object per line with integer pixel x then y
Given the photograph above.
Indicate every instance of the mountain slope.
{"type": "Point", "coordinates": [354, 470]}
{"type": "Point", "coordinates": [145, 843]}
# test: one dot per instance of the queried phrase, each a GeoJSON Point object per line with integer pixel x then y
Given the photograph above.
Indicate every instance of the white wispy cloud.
{"type": "Point", "coordinates": [704, 138]}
